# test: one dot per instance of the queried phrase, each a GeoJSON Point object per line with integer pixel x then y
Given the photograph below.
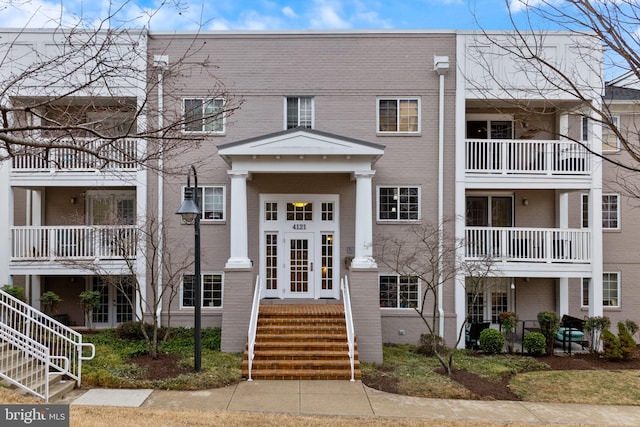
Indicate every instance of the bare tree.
{"type": "Point", "coordinates": [162, 284]}
{"type": "Point", "coordinates": [418, 253]}
{"type": "Point", "coordinates": [598, 27]}
{"type": "Point", "coordinates": [89, 92]}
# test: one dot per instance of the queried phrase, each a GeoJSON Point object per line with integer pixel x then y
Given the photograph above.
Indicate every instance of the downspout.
{"type": "Point", "coordinates": [161, 64]}
{"type": "Point", "coordinates": [440, 66]}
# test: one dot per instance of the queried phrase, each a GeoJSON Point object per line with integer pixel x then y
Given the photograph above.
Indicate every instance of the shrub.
{"type": "Point", "coordinates": [492, 341]}
{"type": "Point", "coordinates": [627, 343]}
{"type": "Point", "coordinates": [129, 331]}
{"type": "Point", "coordinates": [15, 292]}
{"type": "Point", "coordinates": [611, 346]}
{"type": "Point", "coordinates": [632, 326]}
{"type": "Point", "coordinates": [535, 343]}
{"type": "Point", "coordinates": [427, 344]}
{"type": "Point", "coordinates": [595, 325]}
{"type": "Point", "coordinates": [549, 322]}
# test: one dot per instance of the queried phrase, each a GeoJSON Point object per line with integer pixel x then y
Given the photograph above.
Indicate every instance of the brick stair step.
{"type": "Point", "coordinates": [301, 337]}
{"type": "Point", "coordinates": [295, 346]}
{"type": "Point", "coordinates": [303, 375]}
{"type": "Point", "coordinates": [302, 364]}
{"type": "Point", "coordinates": [299, 355]}
{"type": "Point", "coordinates": [335, 327]}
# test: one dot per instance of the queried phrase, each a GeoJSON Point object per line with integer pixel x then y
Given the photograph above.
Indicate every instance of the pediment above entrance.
{"type": "Point", "coordinates": [301, 144]}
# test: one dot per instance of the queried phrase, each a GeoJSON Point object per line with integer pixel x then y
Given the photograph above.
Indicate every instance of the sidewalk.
{"type": "Point", "coordinates": [344, 398]}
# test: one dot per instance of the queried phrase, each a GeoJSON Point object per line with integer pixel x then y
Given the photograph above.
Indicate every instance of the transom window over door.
{"type": "Point", "coordinates": [299, 112]}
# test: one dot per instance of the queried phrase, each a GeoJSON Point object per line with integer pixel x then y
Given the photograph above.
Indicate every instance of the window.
{"type": "Point", "coordinates": [211, 290]}
{"type": "Point", "coordinates": [610, 211]}
{"type": "Point", "coordinates": [489, 211]}
{"type": "Point", "coordinates": [399, 115]}
{"type": "Point", "coordinates": [610, 140]}
{"type": "Point", "coordinates": [610, 290]}
{"type": "Point", "coordinates": [204, 115]}
{"type": "Point", "coordinates": [490, 298]}
{"type": "Point", "coordinates": [398, 203]}
{"type": "Point", "coordinates": [211, 201]}
{"type": "Point", "coordinates": [489, 129]}
{"type": "Point", "coordinates": [299, 113]}
{"type": "Point", "coordinates": [399, 291]}
{"type": "Point", "coordinates": [584, 134]}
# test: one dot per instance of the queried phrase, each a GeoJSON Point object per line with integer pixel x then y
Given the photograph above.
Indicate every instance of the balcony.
{"type": "Point", "coordinates": [531, 245]}
{"type": "Point", "coordinates": [122, 156]}
{"type": "Point", "coordinates": [73, 243]}
{"type": "Point", "coordinates": [527, 161]}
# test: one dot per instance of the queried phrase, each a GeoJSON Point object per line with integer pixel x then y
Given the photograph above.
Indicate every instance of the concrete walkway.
{"type": "Point", "coordinates": [344, 398]}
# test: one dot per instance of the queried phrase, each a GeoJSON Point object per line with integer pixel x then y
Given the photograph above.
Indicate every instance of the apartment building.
{"type": "Point", "coordinates": [343, 138]}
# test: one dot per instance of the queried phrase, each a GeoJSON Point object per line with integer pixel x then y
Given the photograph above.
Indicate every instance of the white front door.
{"type": "Point", "coordinates": [299, 263]}
{"type": "Point", "coordinates": [299, 246]}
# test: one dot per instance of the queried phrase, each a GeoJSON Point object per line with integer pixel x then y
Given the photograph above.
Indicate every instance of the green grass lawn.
{"type": "Point", "coordinates": [403, 369]}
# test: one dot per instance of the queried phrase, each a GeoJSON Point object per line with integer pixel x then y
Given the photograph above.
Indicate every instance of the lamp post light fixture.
{"type": "Point", "coordinates": [190, 213]}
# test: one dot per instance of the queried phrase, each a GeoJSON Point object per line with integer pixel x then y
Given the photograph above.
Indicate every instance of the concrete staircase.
{"type": "Point", "coordinates": [28, 370]}
{"type": "Point", "coordinates": [301, 342]}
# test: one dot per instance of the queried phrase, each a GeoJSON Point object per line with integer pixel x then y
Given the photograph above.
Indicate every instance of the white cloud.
{"type": "Point", "coordinates": [326, 15]}
{"type": "Point", "coordinates": [289, 12]}
{"type": "Point", "coordinates": [34, 14]}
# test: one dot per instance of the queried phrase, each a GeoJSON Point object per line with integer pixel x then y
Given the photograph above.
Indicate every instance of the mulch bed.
{"type": "Point", "coordinates": [165, 366]}
{"type": "Point", "coordinates": [484, 389]}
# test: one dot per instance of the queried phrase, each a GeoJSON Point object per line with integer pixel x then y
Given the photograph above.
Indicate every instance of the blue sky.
{"type": "Point", "coordinates": [266, 14]}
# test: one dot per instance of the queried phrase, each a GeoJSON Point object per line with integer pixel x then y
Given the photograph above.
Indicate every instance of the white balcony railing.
{"type": "Point", "coordinates": [537, 157]}
{"type": "Point", "coordinates": [550, 245]}
{"type": "Point", "coordinates": [73, 242]}
{"type": "Point", "coordinates": [121, 155]}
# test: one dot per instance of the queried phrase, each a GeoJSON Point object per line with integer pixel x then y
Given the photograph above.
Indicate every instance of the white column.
{"type": "Point", "coordinates": [239, 246]}
{"type": "Point", "coordinates": [364, 221]}
{"type": "Point", "coordinates": [6, 221]}
{"type": "Point", "coordinates": [36, 291]}
{"type": "Point", "coordinates": [460, 297]}
{"type": "Point", "coordinates": [562, 209]}
{"type": "Point", "coordinates": [595, 220]}
{"type": "Point", "coordinates": [141, 244]}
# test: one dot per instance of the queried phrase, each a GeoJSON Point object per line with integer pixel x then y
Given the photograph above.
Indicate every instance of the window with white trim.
{"type": "Point", "coordinates": [299, 112]}
{"type": "Point", "coordinates": [212, 284]}
{"type": "Point", "coordinates": [398, 203]}
{"type": "Point", "coordinates": [399, 291]}
{"type": "Point", "coordinates": [398, 115]}
{"type": "Point", "coordinates": [610, 211]}
{"type": "Point", "coordinates": [204, 115]}
{"type": "Point", "coordinates": [584, 130]}
{"type": "Point", "coordinates": [610, 290]}
{"type": "Point", "coordinates": [610, 141]}
{"type": "Point", "coordinates": [211, 201]}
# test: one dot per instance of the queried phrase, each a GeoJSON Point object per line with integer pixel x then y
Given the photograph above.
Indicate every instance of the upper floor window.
{"type": "Point", "coordinates": [399, 291]}
{"type": "Point", "coordinates": [489, 211]}
{"type": "Point", "coordinates": [211, 201]}
{"type": "Point", "coordinates": [584, 129]}
{"type": "Point", "coordinates": [399, 115]}
{"type": "Point", "coordinates": [610, 141]}
{"type": "Point", "coordinates": [610, 211]}
{"type": "Point", "coordinates": [489, 129]}
{"type": "Point", "coordinates": [204, 115]}
{"type": "Point", "coordinates": [610, 290]}
{"type": "Point", "coordinates": [299, 112]}
{"type": "Point", "coordinates": [398, 203]}
{"type": "Point", "coordinates": [211, 290]}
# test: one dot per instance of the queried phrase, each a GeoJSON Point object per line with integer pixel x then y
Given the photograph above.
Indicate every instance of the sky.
{"type": "Point", "coordinates": [169, 15]}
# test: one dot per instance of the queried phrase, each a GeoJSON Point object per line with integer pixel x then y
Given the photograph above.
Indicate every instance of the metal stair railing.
{"type": "Point", "coordinates": [26, 363]}
{"type": "Point", "coordinates": [348, 316]}
{"type": "Point", "coordinates": [63, 343]}
{"type": "Point", "coordinates": [253, 326]}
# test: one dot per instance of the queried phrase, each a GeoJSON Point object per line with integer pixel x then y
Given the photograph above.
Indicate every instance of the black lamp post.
{"type": "Point", "coordinates": [190, 213]}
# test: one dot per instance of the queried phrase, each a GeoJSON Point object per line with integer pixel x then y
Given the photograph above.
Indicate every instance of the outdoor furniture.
{"type": "Point", "coordinates": [472, 334]}
{"type": "Point", "coordinates": [571, 330]}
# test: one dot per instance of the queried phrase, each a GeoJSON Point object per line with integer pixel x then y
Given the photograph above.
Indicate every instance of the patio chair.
{"type": "Point", "coordinates": [472, 334]}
